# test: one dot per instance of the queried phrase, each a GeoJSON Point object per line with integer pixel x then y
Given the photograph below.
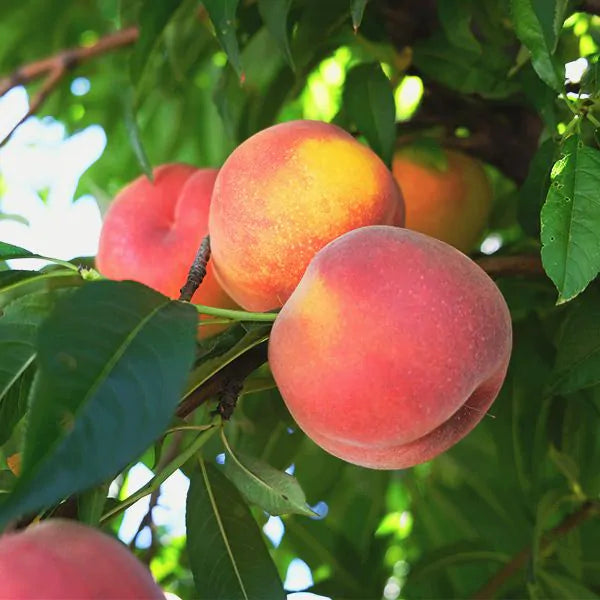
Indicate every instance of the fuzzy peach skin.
{"type": "Point", "coordinates": [152, 231]}
{"type": "Point", "coordinates": [392, 347]}
{"type": "Point", "coordinates": [451, 204]}
{"type": "Point", "coordinates": [65, 560]}
{"type": "Point", "coordinates": [285, 193]}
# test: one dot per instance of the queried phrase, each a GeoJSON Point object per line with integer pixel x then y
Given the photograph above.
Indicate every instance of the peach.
{"type": "Point", "coordinates": [65, 560]}
{"type": "Point", "coordinates": [285, 193]}
{"type": "Point", "coordinates": [152, 231]}
{"type": "Point", "coordinates": [391, 348]}
{"type": "Point", "coordinates": [451, 203]}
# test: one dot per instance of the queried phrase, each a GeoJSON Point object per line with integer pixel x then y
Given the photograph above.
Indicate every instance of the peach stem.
{"type": "Point", "coordinates": [235, 315]}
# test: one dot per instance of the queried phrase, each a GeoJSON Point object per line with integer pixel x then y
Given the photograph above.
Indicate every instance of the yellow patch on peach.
{"type": "Point", "coordinates": [318, 298]}
{"type": "Point", "coordinates": [284, 194]}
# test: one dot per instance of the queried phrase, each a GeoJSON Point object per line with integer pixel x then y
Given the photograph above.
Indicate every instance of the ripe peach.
{"type": "Point", "coordinates": [285, 193]}
{"type": "Point", "coordinates": [65, 560]}
{"type": "Point", "coordinates": [152, 231]}
{"type": "Point", "coordinates": [391, 348]}
{"type": "Point", "coordinates": [450, 203]}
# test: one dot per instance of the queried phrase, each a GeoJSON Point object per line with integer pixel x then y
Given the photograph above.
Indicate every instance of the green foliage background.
{"type": "Point", "coordinates": [511, 511]}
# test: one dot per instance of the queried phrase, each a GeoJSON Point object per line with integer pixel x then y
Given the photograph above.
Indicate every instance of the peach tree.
{"type": "Point", "coordinates": [98, 375]}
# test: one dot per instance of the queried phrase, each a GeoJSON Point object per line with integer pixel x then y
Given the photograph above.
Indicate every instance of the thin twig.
{"type": "Point", "coordinates": [48, 86]}
{"type": "Point", "coordinates": [171, 452]}
{"type": "Point", "coordinates": [54, 68]}
{"type": "Point", "coordinates": [587, 510]}
{"type": "Point", "coordinates": [197, 271]}
{"type": "Point", "coordinates": [510, 266]}
{"type": "Point", "coordinates": [68, 59]}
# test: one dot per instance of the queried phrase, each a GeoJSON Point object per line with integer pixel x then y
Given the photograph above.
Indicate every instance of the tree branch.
{"type": "Point", "coordinates": [238, 369]}
{"type": "Point", "coordinates": [68, 59]}
{"type": "Point", "coordinates": [197, 271]}
{"type": "Point", "coordinates": [503, 133]}
{"type": "Point", "coordinates": [54, 68]}
{"type": "Point", "coordinates": [511, 266]}
{"type": "Point", "coordinates": [587, 510]}
{"type": "Point", "coordinates": [590, 6]}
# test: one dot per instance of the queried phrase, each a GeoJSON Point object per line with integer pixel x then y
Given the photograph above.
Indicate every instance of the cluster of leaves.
{"type": "Point", "coordinates": [92, 372]}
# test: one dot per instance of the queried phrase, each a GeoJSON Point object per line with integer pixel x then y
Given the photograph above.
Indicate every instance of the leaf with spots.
{"type": "Point", "coordinates": [570, 220]}
{"type": "Point", "coordinates": [112, 360]}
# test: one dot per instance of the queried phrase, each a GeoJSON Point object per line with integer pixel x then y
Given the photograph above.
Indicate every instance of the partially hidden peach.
{"type": "Point", "coordinates": [152, 231]}
{"type": "Point", "coordinates": [285, 193]}
{"type": "Point", "coordinates": [65, 560]}
{"type": "Point", "coordinates": [392, 347]}
{"type": "Point", "coordinates": [450, 201]}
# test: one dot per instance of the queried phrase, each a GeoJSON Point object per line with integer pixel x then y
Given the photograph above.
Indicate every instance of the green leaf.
{"type": "Point", "coordinates": [467, 71]}
{"type": "Point", "coordinates": [456, 553]}
{"type": "Point", "coordinates": [274, 491]}
{"type": "Point", "coordinates": [369, 101]}
{"type": "Point", "coordinates": [210, 366]}
{"type": "Point", "coordinates": [18, 332]}
{"type": "Point", "coordinates": [538, 24]}
{"type": "Point", "coordinates": [535, 188]}
{"type": "Point", "coordinates": [112, 359]}
{"type": "Point", "coordinates": [223, 13]}
{"type": "Point", "coordinates": [14, 404]}
{"type": "Point", "coordinates": [15, 284]}
{"type": "Point", "coordinates": [578, 356]}
{"type": "Point", "coordinates": [546, 508]}
{"type": "Point", "coordinates": [153, 18]}
{"type": "Point", "coordinates": [539, 95]}
{"type": "Point", "coordinates": [274, 13]}
{"type": "Point", "coordinates": [7, 481]}
{"type": "Point", "coordinates": [567, 466]}
{"type": "Point", "coordinates": [455, 17]}
{"type": "Point", "coordinates": [357, 9]}
{"type": "Point", "coordinates": [227, 553]}
{"type": "Point", "coordinates": [571, 220]}
{"type": "Point", "coordinates": [134, 136]}
{"type": "Point", "coordinates": [321, 545]}
{"type": "Point", "coordinates": [90, 504]}
{"type": "Point", "coordinates": [8, 251]}
{"type": "Point", "coordinates": [561, 586]}
{"type": "Point", "coordinates": [590, 82]}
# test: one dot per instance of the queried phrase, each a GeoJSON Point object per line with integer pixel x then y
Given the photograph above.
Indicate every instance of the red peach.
{"type": "Point", "coordinates": [65, 560]}
{"type": "Point", "coordinates": [152, 231]}
{"type": "Point", "coordinates": [285, 193]}
{"type": "Point", "coordinates": [392, 347]}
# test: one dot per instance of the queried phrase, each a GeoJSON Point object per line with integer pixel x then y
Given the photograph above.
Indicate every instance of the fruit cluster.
{"type": "Point", "coordinates": [391, 344]}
